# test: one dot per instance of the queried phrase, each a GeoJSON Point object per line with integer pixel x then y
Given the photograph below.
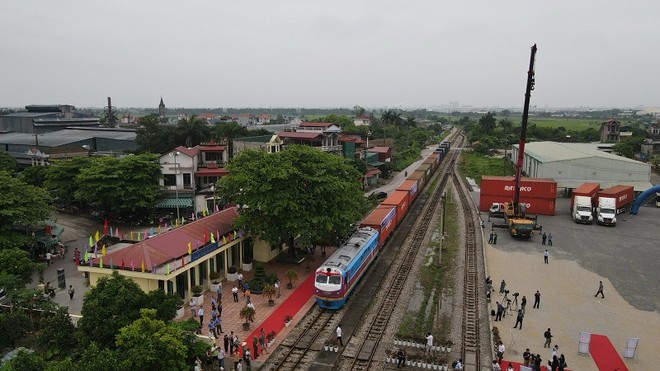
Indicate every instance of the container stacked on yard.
{"type": "Point", "coordinates": [538, 194]}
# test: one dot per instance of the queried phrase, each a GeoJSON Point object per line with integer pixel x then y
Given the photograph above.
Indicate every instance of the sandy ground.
{"type": "Point", "coordinates": [568, 307]}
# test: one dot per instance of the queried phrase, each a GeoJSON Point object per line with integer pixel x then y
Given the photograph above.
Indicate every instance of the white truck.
{"type": "Point", "coordinates": [613, 201]}
{"type": "Point", "coordinates": [582, 210]}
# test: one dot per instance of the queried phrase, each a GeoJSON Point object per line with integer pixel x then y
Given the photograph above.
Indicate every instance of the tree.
{"type": "Point", "coordinates": [150, 344]}
{"type": "Point", "coordinates": [165, 304]}
{"type": "Point", "coordinates": [358, 111]}
{"type": "Point", "coordinates": [300, 192]}
{"type": "Point", "coordinates": [154, 137]}
{"type": "Point", "coordinates": [126, 186]}
{"type": "Point", "coordinates": [624, 149]}
{"type": "Point", "coordinates": [487, 123]}
{"type": "Point", "coordinates": [17, 263]}
{"type": "Point", "coordinates": [95, 358]}
{"type": "Point", "coordinates": [26, 360]}
{"type": "Point", "coordinates": [61, 179]}
{"type": "Point", "coordinates": [57, 332]}
{"type": "Point", "coordinates": [192, 131]}
{"type": "Point", "coordinates": [34, 175]}
{"type": "Point", "coordinates": [13, 325]}
{"type": "Point", "coordinates": [114, 302]}
{"type": "Point", "coordinates": [21, 204]}
{"type": "Point", "coordinates": [7, 163]}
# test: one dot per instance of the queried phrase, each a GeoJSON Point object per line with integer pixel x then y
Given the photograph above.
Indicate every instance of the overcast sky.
{"type": "Point", "coordinates": [375, 53]}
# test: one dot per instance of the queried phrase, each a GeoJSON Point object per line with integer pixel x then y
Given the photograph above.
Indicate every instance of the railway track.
{"type": "Point", "coordinates": [297, 351]}
{"type": "Point", "coordinates": [470, 323]}
{"type": "Point", "coordinates": [362, 356]}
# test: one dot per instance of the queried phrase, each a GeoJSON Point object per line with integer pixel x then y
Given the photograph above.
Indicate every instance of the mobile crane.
{"type": "Point", "coordinates": [515, 212]}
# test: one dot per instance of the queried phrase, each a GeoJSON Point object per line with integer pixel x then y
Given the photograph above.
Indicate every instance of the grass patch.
{"type": "Point", "coordinates": [474, 165]}
{"type": "Point", "coordinates": [416, 325]}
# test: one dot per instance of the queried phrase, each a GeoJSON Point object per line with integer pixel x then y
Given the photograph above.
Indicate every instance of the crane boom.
{"type": "Point", "coordinates": [523, 130]}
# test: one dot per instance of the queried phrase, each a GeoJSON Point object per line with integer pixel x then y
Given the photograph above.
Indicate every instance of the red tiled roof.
{"type": "Point", "coordinates": [351, 139]}
{"type": "Point", "coordinates": [191, 152]}
{"type": "Point", "coordinates": [207, 116]}
{"type": "Point", "coordinates": [208, 148]}
{"type": "Point", "coordinates": [173, 244]}
{"type": "Point", "coordinates": [372, 172]}
{"type": "Point", "coordinates": [299, 135]}
{"type": "Point", "coordinates": [379, 149]}
{"type": "Point", "coordinates": [211, 172]}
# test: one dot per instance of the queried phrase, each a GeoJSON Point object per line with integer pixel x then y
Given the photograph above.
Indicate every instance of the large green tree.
{"type": "Point", "coordinates": [34, 175]}
{"type": "Point", "coordinates": [7, 163]}
{"type": "Point", "coordinates": [487, 123]}
{"type": "Point", "coordinates": [151, 344]}
{"type": "Point", "coordinates": [126, 186]}
{"type": "Point", "coordinates": [57, 334]}
{"type": "Point", "coordinates": [21, 205]}
{"type": "Point", "coordinates": [192, 131]}
{"type": "Point", "coordinates": [300, 192]}
{"type": "Point", "coordinates": [154, 137]}
{"type": "Point", "coordinates": [61, 179]}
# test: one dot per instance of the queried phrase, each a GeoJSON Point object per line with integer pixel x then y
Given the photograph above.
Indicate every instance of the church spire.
{"type": "Point", "coordinates": [161, 108]}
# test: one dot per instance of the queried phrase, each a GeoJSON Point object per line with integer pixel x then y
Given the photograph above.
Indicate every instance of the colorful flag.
{"type": "Point", "coordinates": [224, 240]}
{"type": "Point", "coordinates": [117, 233]}
{"type": "Point", "coordinates": [240, 233]}
{"type": "Point", "coordinates": [132, 236]}
{"type": "Point", "coordinates": [101, 262]}
{"type": "Point", "coordinates": [158, 228]}
{"type": "Point", "coordinates": [86, 256]}
{"type": "Point", "coordinates": [189, 248]}
{"type": "Point", "coordinates": [95, 248]}
{"type": "Point", "coordinates": [103, 250]}
{"type": "Point", "coordinates": [183, 262]}
{"type": "Point", "coordinates": [97, 237]}
{"type": "Point", "coordinates": [176, 223]}
{"type": "Point", "coordinates": [91, 243]}
{"type": "Point", "coordinates": [142, 266]}
{"type": "Point", "coordinates": [204, 212]}
{"type": "Point", "coordinates": [105, 226]}
{"type": "Point", "coordinates": [235, 234]}
{"type": "Point", "coordinates": [216, 208]}
{"type": "Point", "coordinates": [132, 266]}
{"type": "Point", "coordinates": [168, 269]}
{"type": "Point", "coordinates": [183, 221]}
{"type": "Point", "coordinates": [138, 236]}
{"type": "Point", "coordinates": [192, 217]}
{"type": "Point", "coordinates": [146, 233]}
{"type": "Point", "coordinates": [122, 263]}
{"type": "Point", "coordinates": [111, 234]}
{"type": "Point", "coordinates": [165, 227]}
{"type": "Point", "coordinates": [212, 238]}
{"type": "Point", "coordinates": [111, 267]}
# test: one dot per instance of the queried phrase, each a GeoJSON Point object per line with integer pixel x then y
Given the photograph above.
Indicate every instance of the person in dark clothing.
{"type": "Point", "coordinates": [538, 361]}
{"type": "Point", "coordinates": [495, 238]}
{"type": "Point", "coordinates": [543, 238]}
{"type": "Point", "coordinates": [562, 363]}
{"type": "Point", "coordinates": [500, 310]}
{"type": "Point", "coordinates": [401, 358]}
{"type": "Point", "coordinates": [225, 342]}
{"type": "Point", "coordinates": [555, 363]}
{"type": "Point", "coordinates": [502, 286]}
{"type": "Point", "coordinates": [548, 338]}
{"type": "Point", "coordinates": [537, 300]}
{"type": "Point", "coordinates": [523, 302]}
{"type": "Point", "coordinates": [600, 290]}
{"type": "Point", "coordinates": [519, 319]}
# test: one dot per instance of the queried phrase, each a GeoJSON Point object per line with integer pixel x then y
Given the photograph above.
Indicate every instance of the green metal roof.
{"type": "Point", "coordinates": [172, 203]}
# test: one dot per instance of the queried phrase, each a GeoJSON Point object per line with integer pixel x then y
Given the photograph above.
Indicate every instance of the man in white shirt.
{"type": "Point", "coordinates": [338, 331]}
{"type": "Point", "coordinates": [500, 352]}
{"type": "Point", "coordinates": [429, 343]}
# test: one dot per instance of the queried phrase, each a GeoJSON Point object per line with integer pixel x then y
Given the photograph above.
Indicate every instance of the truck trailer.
{"type": "Point", "coordinates": [612, 202]}
{"type": "Point", "coordinates": [583, 202]}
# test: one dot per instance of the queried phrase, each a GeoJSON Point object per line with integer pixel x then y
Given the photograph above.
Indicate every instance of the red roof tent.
{"type": "Point", "coordinates": [401, 200]}
{"type": "Point", "coordinates": [532, 187]}
{"type": "Point", "coordinates": [383, 219]}
{"type": "Point", "coordinates": [409, 186]}
{"type": "Point", "coordinates": [173, 244]}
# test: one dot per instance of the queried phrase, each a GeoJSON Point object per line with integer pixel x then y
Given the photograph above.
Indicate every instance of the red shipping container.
{"type": "Point", "coordinates": [587, 189]}
{"type": "Point", "coordinates": [419, 176]}
{"type": "Point", "coordinates": [409, 186]}
{"type": "Point", "coordinates": [505, 185]}
{"type": "Point", "coordinates": [623, 194]}
{"type": "Point", "coordinates": [540, 206]}
{"type": "Point", "coordinates": [383, 219]}
{"type": "Point", "coordinates": [427, 169]}
{"type": "Point", "coordinates": [401, 200]}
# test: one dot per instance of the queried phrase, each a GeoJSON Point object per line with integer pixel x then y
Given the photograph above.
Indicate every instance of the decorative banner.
{"type": "Point", "coordinates": [111, 267]}
{"type": "Point", "coordinates": [189, 248]}
{"type": "Point", "coordinates": [212, 238]}
{"type": "Point", "coordinates": [165, 227]}
{"type": "Point", "coordinates": [159, 228]}
{"type": "Point", "coordinates": [203, 213]}
{"type": "Point", "coordinates": [105, 226]}
{"type": "Point", "coordinates": [183, 221]}
{"type": "Point", "coordinates": [132, 236]}
{"type": "Point", "coordinates": [167, 269]}
{"type": "Point", "coordinates": [183, 262]}
{"type": "Point", "coordinates": [86, 256]}
{"type": "Point", "coordinates": [240, 233]}
{"type": "Point", "coordinates": [151, 231]}
{"type": "Point", "coordinates": [146, 233]}
{"type": "Point", "coordinates": [103, 250]}
{"type": "Point", "coordinates": [132, 266]}
{"type": "Point", "coordinates": [111, 234]}
{"type": "Point", "coordinates": [91, 243]}
{"type": "Point", "coordinates": [122, 264]}
{"type": "Point", "coordinates": [142, 266]}
{"type": "Point", "coordinates": [235, 234]}
{"type": "Point", "coordinates": [95, 246]}
{"type": "Point", "coordinates": [224, 240]}
{"type": "Point", "coordinates": [138, 235]}
{"type": "Point", "coordinates": [101, 262]}
{"type": "Point", "coordinates": [97, 237]}
{"type": "Point", "coordinates": [117, 233]}
{"type": "Point", "coordinates": [176, 223]}
{"type": "Point", "coordinates": [215, 207]}
{"type": "Point", "coordinates": [192, 217]}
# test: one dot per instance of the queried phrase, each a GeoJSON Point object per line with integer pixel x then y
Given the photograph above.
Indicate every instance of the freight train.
{"type": "Point", "coordinates": [336, 278]}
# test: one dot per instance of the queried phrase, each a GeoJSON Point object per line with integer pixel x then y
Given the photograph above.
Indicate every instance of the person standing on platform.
{"type": "Point", "coordinates": [537, 300]}
{"type": "Point", "coordinates": [401, 358]}
{"type": "Point", "coordinates": [429, 343]}
{"type": "Point", "coordinates": [73, 291]}
{"type": "Point", "coordinates": [546, 254]}
{"type": "Point", "coordinates": [225, 342]}
{"type": "Point", "coordinates": [519, 319]}
{"type": "Point", "coordinates": [523, 302]}
{"type": "Point", "coordinates": [549, 239]}
{"type": "Point", "coordinates": [544, 237]}
{"type": "Point", "coordinates": [193, 307]}
{"type": "Point", "coordinates": [234, 293]}
{"type": "Point", "coordinates": [526, 357]}
{"type": "Point", "coordinates": [200, 314]}
{"type": "Point", "coordinates": [239, 278]}
{"type": "Point", "coordinates": [496, 366]}
{"type": "Point", "coordinates": [494, 238]}
{"type": "Point", "coordinates": [500, 352]}
{"type": "Point", "coordinates": [338, 332]}
{"type": "Point", "coordinates": [600, 290]}
{"type": "Point", "coordinates": [218, 293]}
{"type": "Point", "coordinates": [490, 237]}
{"type": "Point", "coordinates": [500, 309]}
{"type": "Point", "coordinates": [548, 338]}
{"type": "Point", "coordinates": [502, 287]}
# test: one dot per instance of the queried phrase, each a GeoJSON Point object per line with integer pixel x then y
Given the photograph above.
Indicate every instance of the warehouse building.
{"type": "Point", "coordinates": [572, 164]}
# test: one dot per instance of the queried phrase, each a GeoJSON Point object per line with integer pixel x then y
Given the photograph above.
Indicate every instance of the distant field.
{"type": "Point", "coordinates": [567, 123]}
{"type": "Point", "coordinates": [475, 165]}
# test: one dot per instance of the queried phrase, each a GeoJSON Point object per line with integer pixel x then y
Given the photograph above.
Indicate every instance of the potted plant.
{"type": "Point", "coordinates": [197, 291]}
{"type": "Point", "coordinates": [247, 314]}
{"type": "Point", "coordinates": [292, 276]}
{"type": "Point", "coordinates": [271, 338]}
{"type": "Point", "coordinates": [326, 346]}
{"type": "Point", "coordinates": [215, 281]}
{"type": "Point", "coordinates": [388, 356]}
{"type": "Point", "coordinates": [449, 345]}
{"type": "Point", "coordinates": [180, 309]}
{"type": "Point", "coordinates": [269, 291]}
{"type": "Point", "coordinates": [232, 274]}
{"type": "Point", "coordinates": [247, 265]}
{"type": "Point", "coordinates": [287, 320]}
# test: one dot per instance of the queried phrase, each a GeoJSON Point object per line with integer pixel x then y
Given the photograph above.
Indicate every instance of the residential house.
{"type": "Point", "coordinates": [353, 146]}
{"type": "Point", "coordinates": [609, 131]}
{"type": "Point", "coordinates": [268, 143]}
{"type": "Point", "coordinates": [263, 119]}
{"type": "Point", "coordinates": [384, 154]}
{"type": "Point", "coordinates": [321, 135]}
{"type": "Point", "coordinates": [362, 120]}
{"type": "Point", "coordinates": [246, 119]}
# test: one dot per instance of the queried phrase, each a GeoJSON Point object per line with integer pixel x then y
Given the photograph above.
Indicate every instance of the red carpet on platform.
{"type": "Point", "coordinates": [291, 306]}
{"type": "Point", "coordinates": [604, 355]}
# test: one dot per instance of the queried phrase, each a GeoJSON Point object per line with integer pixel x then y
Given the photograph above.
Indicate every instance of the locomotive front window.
{"type": "Point", "coordinates": [321, 278]}
{"type": "Point", "coordinates": [335, 280]}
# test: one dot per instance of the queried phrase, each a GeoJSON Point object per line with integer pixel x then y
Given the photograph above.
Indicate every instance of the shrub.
{"type": "Point", "coordinates": [259, 271]}
{"type": "Point", "coordinates": [214, 276]}
{"type": "Point", "coordinates": [197, 290]}
{"type": "Point", "coordinates": [232, 270]}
